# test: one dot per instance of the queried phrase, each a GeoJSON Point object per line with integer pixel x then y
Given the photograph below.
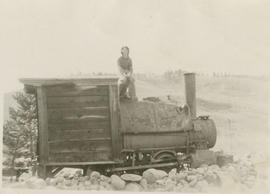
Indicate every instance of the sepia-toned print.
{"type": "Point", "coordinates": [135, 96]}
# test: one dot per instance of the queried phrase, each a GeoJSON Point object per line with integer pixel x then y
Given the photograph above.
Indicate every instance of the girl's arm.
{"type": "Point", "coordinates": [121, 71]}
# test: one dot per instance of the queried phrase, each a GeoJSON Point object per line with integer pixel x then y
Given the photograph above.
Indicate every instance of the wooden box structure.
{"type": "Point", "coordinates": [78, 121]}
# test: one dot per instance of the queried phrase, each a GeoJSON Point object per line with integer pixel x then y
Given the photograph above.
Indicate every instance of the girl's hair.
{"type": "Point", "coordinates": [124, 47]}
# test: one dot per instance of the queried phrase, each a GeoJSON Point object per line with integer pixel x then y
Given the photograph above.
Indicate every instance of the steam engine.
{"type": "Point", "coordinates": [83, 124]}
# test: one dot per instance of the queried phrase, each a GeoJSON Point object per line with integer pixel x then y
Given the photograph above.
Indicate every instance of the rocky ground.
{"type": "Point", "coordinates": [240, 175]}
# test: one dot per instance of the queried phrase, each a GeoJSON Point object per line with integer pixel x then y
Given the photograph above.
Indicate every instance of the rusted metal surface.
{"type": "Point", "coordinates": [206, 131]}
{"type": "Point", "coordinates": [145, 116]}
{"type": "Point", "coordinates": [190, 92]}
{"type": "Point", "coordinates": [202, 135]}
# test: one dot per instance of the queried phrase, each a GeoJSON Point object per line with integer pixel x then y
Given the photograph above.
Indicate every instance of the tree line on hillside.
{"type": "Point", "coordinates": [171, 75]}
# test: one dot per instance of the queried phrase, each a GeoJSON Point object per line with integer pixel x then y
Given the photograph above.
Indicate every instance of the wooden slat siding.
{"type": "Point", "coordinates": [75, 134]}
{"type": "Point", "coordinates": [53, 81]}
{"type": "Point", "coordinates": [43, 125]}
{"type": "Point", "coordinates": [72, 139]}
{"type": "Point", "coordinates": [77, 90]}
{"type": "Point", "coordinates": [77, 101]}
{"type": "Point", "coordinates": [81, 157]}
{"type": "Point", "coordinates": [115, 121]}
{"type": "Point", "coordinates": [82, 145]}
{"type": "Point", "coordinates": [91, 118]}
{"type": "Point", "coordinates": [82, 125]}
{"type": "Point", "coordinates": [59, 114]}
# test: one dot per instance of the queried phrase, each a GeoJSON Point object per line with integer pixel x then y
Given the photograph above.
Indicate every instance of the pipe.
{"type": "Point", "coordinates": [190, 92]}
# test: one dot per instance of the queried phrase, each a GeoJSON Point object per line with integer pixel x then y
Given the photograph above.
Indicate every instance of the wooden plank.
{"type": "Point", "coordinates": [77, 101]}
{"type": "Point", "coordinates": [75, 118]}
{"type": "Point", "coordinates": [115, 121]}
{"type": "Point", "coordinates": [80, 139]}
{"type": "Point", "coordinates": [52, 81]}
{"type": "Point", "coordinates": [60, 113]}
{"type": "Point", "coordinates": [79, 125]}
{"type": "Point", "coordinates": [42, 125]}
{"type": "Point", "coordinates": [78, 134]}
{"type": "Point", "coordinates": [77, 90]}
{"type": "Point", "coordinates": [77, 146]}
{"type": "Point", "coordinates": [81, 157]}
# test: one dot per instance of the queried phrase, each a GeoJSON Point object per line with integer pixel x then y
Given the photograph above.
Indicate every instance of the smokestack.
{"type": "Point", "coordinates": [190, 88]}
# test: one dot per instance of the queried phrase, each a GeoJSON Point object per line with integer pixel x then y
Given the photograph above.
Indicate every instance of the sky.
{"type": "Point", "coordinates": [53, 38]}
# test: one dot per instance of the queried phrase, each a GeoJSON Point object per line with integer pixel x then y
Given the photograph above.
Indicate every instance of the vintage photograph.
{"type": "Point", "coordinates": [135, 96]}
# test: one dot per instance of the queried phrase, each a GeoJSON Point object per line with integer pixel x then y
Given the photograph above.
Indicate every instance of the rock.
{"type": "Point", "coordinates": [87, 183]}
{"type": "Point", "coordinates": [131, 177]}
{"type": "Point", "coordinates": [106, 186]}
{"type": "Point", "coordinates": [190, 178]}
{"type": "Point", "coordinates": [180, 176]}
{"type": "Point", "coordinates": [201, 185]}
{"type": "Point", "coordinates": [24, 176]}
{"type": "Point", "coordinates": [71, 176]}
{"type": "Point", "coordinates": [48, 181]}
{"type": "Point", "coordinates": [152, 175]}
{"type": "Point", "coordinates": [172, 173]}
{"type": "Point", "coordinates": [170, 185]}
{"type": "Point", "coordinates": [81, 186]}
{"type": "Point", "coordinates": [68, 183]}
{"type": "Point", "coordinates": [66, 175]}
{"type": "Point", "coordinates": [210, 177]}
{"type": "Point", "coordinates": [133, 187]}
{"type": "Point", "coordinates": [144, 184]}
{"type": "Point", "coordinates": [94, 175]}
{"type": "Point", "coordinates": [226, 181]}
{"type": "Point", "coordinates": [193, 182]}
{"type": "Point", "coordinates": [178, 188]}
{"type": "Point", "coordinates": [53, 182]}
{"type": "Point", "coordinates": [214, 167]}
{"type": "Point", "coordinates": [200, 177]}
{"type": "Point", "coordinates": [60, 180]}
{"type": "Point", "coordinates": [105, 179]}
{"type": "Point", "coordinates": [117, 182]}
{"type": "Point", "coordinates": [201, 170]}
{"type": "Point", "coordinates": [82, 179]}
{"type": "Point", "coordinates": [161, 182]}
{"type": "Point", "coordinates": [183, 182]}
{"type": "Point", "coordinates": [74, 182]}
{"type": "Point", "coordinates": [40, 183]}
{"type": "Point", "coordinates": [35, 183]}
{"type": "Point", "coordinates": [191, 172]}
{"type": "Point", "coordinates": [78, 173]}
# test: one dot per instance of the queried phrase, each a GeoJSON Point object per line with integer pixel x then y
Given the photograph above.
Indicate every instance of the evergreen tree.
{"type": "Point", "coordinates": [20, 132]}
